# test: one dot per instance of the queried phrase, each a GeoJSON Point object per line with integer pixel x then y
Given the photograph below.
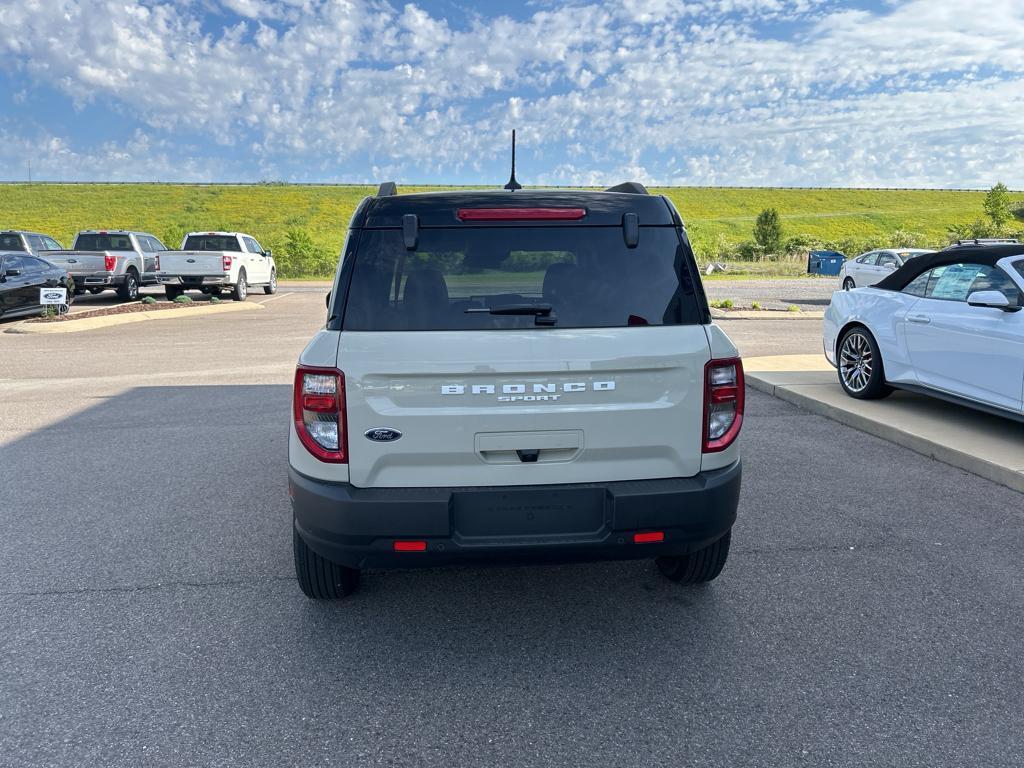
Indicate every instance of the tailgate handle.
{"type": "Point", "coordinates": [528, 456]}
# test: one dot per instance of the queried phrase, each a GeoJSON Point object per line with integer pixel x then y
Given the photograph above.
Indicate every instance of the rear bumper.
{"type": "Point", "coordinates": [93, 279]}
{"type": "Point", "coordinates": [193, 280]}
{"type": "Point", "coordinates": [357, 527]}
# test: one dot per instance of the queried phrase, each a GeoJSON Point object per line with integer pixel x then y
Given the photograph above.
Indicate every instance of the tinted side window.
{"type": "Point", "coordinates": [157, 245]}
{"type": "Point", "coordinates": [145, 245]}
{"type": "Point", "coordinates": [252, 245]}
{"type": "Point", "coordinates": [11, 243]}
{"type": "Point", "coordinates": [501, 278]}
{"type": "Point", "coordinates": [887, 259]}
{"type": "Point", "coordinates": [1019, 265]}
{"type": "Point", "coordinates": [919, 285]}
{"type": "Point", "coordinates": [29, 264]}
{"type": "Point", "coordinates": [35, 242]}
{"type": "Point", "coordinates": [51, 244]}
{"type": "Point", "coordinates": [13, 262]}
{"type": "Point", "coordinates": [953, 282]}
{"type": "Point", "coordinates": [994, 279]}
{"type": "Point", "coordinates": [868, 259]}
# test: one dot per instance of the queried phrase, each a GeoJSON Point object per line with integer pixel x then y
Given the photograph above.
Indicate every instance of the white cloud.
{"type": "Point", "coordinates": [704, 92]}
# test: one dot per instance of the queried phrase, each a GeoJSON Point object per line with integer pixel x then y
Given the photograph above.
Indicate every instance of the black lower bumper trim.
{"type": "Point", "coordinates": [357, 527]}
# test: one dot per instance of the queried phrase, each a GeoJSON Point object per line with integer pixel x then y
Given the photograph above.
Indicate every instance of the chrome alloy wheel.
{"type": "Point", "coordinates": [856, 362]}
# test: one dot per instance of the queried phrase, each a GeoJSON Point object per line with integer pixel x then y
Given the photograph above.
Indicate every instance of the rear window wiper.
{"type": "Point", "coordinates": [542, 313]}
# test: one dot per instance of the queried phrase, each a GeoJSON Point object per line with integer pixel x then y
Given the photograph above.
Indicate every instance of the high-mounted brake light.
{"type": "Point", "coordinates": [109, 262]}
{"type": "Point", "coordinates": [319, 412]}
{"type": "Point", "coordinates": [227, 263]}
{"type": "Point", "coordinates": [520, 214]}
{"type": "Point", "coordinates": [724, 394]}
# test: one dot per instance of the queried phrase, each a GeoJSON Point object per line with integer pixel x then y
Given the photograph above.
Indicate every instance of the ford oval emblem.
{"type": "Point", "coordinates": [382, 434]}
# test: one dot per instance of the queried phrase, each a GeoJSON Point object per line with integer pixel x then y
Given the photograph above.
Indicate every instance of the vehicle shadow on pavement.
{"type": "Point", "coordinates": [151, 614]}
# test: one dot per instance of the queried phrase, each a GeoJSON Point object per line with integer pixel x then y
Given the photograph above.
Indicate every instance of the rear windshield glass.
{"type": "Point", "coordinates": [519, 277]}
{"type": "Point", "coordinates": [103, 243]}
{"type": "Point", "coordinates": [211, 243]}
{"type": "Point", "coordinates": [11, 243]}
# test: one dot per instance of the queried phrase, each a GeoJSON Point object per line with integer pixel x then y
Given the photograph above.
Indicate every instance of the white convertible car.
{"type": "Point", "coordinates": [947, 324]}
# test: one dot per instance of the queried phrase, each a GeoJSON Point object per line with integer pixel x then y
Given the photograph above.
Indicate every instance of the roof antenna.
{"type": "Point", "coordinates": [513, 185]}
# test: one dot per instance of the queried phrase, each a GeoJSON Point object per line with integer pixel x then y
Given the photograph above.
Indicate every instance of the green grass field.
{"type": "Point", "coordinates": [714, 216]}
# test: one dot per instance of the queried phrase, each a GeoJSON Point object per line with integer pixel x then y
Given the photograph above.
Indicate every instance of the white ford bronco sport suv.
{"type": "Point", "coordinates": [515, 376]}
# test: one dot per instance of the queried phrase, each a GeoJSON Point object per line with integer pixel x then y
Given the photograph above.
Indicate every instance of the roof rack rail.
{"type": "Point", "coordinates": [630, 188]}
{"type": "Point", "coordinates": [989, 241]}
{"type": "Point", "coordinates": [387, 189]}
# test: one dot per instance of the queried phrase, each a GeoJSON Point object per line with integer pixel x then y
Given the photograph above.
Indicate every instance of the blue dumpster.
{"type": "Point", "coordinates": [825, 262]}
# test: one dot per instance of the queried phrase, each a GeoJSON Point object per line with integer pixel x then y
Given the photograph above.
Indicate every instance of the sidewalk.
{"type": "Point", "coordinates": [989, 446]}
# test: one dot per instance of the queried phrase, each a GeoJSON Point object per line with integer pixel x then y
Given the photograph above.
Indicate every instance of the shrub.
{"type": "Point", "coordinates": [768, 230]}
{"type": "Point", "coordinates": [722, 304]}
{"type": "Point", "coordinates": [182, 299]}
{"type": "Point", "coordinates": [799, 244]}
{"type": "Point", "coordinates": [301, 256]}
{"type": "Point", "coordinates": [148, 300]}
{"type": "Point", "coordinates": [755, 305]}
{"type": "Point", "coordinates": [997, 206]}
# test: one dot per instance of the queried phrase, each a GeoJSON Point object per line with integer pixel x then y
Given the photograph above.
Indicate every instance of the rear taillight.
{"type": "Point", "coordinates": [227, 263]}
{"type": "Point", "coordinates": [319, 409]}
{"type": "Point", "coordinates": [157, 263]}
{"type": "Point", "coordinates": [109, 262]}
{"type": "Point", "coordinates": [723, 403]}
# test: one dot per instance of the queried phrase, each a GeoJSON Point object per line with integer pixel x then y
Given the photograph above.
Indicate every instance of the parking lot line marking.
{"type": "Point", "coordinates": [271, 298]}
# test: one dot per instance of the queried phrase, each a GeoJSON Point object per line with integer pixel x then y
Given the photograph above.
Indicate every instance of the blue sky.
{"type": "Point", "coordinates": [922, 93]}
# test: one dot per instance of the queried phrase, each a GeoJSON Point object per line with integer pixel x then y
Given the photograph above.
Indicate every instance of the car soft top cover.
{"type": "Point", "coordinates": [987, 255]}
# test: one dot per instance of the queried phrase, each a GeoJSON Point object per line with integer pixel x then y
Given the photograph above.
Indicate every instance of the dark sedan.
{"type": "Point", "coordinates": [21, 277]}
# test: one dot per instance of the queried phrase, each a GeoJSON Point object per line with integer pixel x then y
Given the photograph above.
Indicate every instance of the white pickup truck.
{"type": "Point", "coordinates": [213, 262]}
{"type": "Point", "coordinates": [109, 258]}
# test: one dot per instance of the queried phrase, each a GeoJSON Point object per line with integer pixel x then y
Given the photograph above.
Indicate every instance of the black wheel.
{"type": "Point", "coordinates": [860, 365]}
{"type": "Point", "coordinates": [205, 291]}
{"type": "Point", "coordinates": [241, 289]}
{"type": "Point", "coordinates": [271, 287]}
{"type": "Point", "coordinates": [848, 284]}
{"type": "Point", "coordinates": [319, 578]}
{"type": "Point", "coordinates": [95, 291]}
{"type": "Point", "coordinates": [129, 289]}
{"type": "Point", "coordinates": [173, 291]}
{"type": "Point", "coordinates": [697, 567]}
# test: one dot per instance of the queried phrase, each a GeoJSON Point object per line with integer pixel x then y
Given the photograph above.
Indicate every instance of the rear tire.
{"type": "Point", "coordinates": [319, 578]}
{"type": "Point", "coordinates": [697, 567]}
{"type": "Point", "coordinates": [172, 292]}
{"type": "Point", "coordinates": [241, 289]}
{"type": "Point", "coordinates": [859, 362]}
{"type": "Point", "coordinates": [129, 289]}
{"type": "Point", "coordinates": [848, 284]}
{"type": "Point", "coordinates": [271, 287]}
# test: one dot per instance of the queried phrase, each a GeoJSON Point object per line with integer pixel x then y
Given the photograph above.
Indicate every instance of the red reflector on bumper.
{"type": "Point", "coordinates": [410, 546]}
{"type": "Point", "coordinates": [649, 537]}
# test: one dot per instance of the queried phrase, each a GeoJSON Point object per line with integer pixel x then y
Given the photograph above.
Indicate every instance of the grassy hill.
{"type": "Point", "coordinates": [305, 225]}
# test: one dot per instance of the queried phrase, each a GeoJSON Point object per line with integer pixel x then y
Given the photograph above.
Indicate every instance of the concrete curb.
{"type": "Point", "coordinates": [853, 416]}
{"type": "Point", "coordinates": [106, 321]}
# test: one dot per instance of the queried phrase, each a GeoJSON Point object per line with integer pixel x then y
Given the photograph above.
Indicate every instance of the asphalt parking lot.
{"type": "Point", "coordinates": [870, 613]}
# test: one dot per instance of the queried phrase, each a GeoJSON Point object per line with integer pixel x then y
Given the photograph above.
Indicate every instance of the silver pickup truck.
{"type": "Point", "coordinates": [23, 241]}
{"type": "Point", "coordinates": [104, 259]}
